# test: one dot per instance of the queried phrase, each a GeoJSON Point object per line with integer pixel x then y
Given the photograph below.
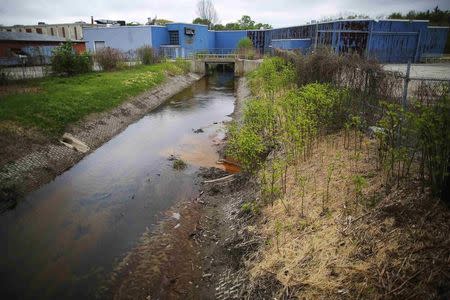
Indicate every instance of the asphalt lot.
{"type": "Point", "coordinates": [438, 70]}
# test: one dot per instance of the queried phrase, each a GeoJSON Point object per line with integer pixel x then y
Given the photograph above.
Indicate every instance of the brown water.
{"type": "Point", "coordinates": [63, 239]}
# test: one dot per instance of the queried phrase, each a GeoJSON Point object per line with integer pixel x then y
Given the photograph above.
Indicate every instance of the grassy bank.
{"type": "Point", "coordinates": [342, 215]}
{"type": "Point", "coordinates": [50, 104]}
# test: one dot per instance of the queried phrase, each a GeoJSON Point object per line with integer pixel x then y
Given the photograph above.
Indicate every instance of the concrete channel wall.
{"type": "Point", "coordinates": [241, 66]}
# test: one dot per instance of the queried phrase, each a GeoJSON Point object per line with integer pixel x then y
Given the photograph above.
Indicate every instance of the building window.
{"type": "Point", "coordinates": [52, 32]}
{"type": "Point", "coordinates": [63, 32]}
{"type": "Point", "coordinates": [174, 38]}
{"type": "Point", "coordinates": [39, 30]}
{"type": "Point", "coordinates": [98, 45]}
{"type": "Point", "coordinates": [28, 30]}
{"type": "Point", "coordinates": [9, 30]}
{"type": "Point", "coordinates": [20, 30]}
{"type": "Point", "coordinates": [76, 35]}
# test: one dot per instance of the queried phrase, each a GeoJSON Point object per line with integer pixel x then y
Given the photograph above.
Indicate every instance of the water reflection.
{"type": "Point", "coordinates": [66, 235]}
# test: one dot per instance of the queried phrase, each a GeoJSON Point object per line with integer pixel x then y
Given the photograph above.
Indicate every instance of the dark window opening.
{"type": "Point", "coordinates": [52, 32]}
{"type": "Point", "coordinates": [39, 30]}
{"type": "Point", "coordinates": [189, 31]}
{"type": "Point", "coordinates": [76, 35]}
{"type": "Point", "coordinates": [28, 30]}
{"type": "Point", "coordinates": [174, 38]}
{"type": "Point", "coordinates": [63, 32]}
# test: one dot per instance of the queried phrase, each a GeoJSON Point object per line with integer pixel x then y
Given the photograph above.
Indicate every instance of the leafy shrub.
{"type": "Point", "coordinates": [245, 48]}
{"type": "Point", "coordinates": [423, 133]}
{"type": "Point", "coordinates": [147, 55]}
{"type": "Point", "coordinates": [65, 60]}
{"type": "Point", "coordinates": [246, 146]}
{"type": "Point", "coordinates": [109, 58]}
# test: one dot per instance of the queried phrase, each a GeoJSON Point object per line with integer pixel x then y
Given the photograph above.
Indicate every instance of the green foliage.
{"type": "Point", "coordinates": [177, 67]}
{"type": "Point", "coordinates": [434, 139]}
{"type": "Point", "coordinates": [66, 61]}
{"type": "Point", "coordinates": [245, 44]}
{"type": "Point", "coordinates": [326, 196]}
{"type": "Point", "coordinates": [201, 21]}
{"type": "Point", "coordinates": [273, 75]}
{"type": "Point", "coordinates": [147, 55]}
{"type": "Point", "coordinates": [244, 23]}
{"type": "Point", "coordinates": [162, 22]}
{"type": "Point", "coordinates": [250, 208]}
{"type": "Point", "coordinates": [283, 118]}
{"type": "Point", "coordinates": [436, 16]}
{"type": "Point", "coordinates": [359, 183]}
{"type": "Point", "coordinates": [247, 146]}
{"type": "Point", "coordinates": [424, 133]}
{"type": "Point", "coordinates": [61, 101]}
{"type": "Point", "coordinates": [179, 164]}
{"type": "Point", "coordinates": [245, 48]}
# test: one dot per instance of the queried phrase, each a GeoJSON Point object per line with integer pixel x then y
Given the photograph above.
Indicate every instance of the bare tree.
{"type": "Point", "coordinates": [206, 11]}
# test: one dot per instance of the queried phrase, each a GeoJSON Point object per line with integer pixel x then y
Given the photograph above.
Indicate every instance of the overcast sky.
{"type": "Point", "coordinates": [275, 12]}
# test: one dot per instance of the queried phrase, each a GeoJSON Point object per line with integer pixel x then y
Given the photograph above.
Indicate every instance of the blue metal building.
{"type": "Point", "coordinates": [385, 40]}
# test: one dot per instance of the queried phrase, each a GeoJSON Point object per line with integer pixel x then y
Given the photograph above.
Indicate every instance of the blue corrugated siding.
{"type": "Point", "coordinates": [190, 44]}
{"type": "Point", "coordinates": [431, 41]}
{"type": "Point", "coordinates": [229, 39]}
{"type": "Point", "coordinates": [160, 36]}
{"type": "Point", "coordinates": [125, 38]}
{"type": "Point", "coordinates": [211, 40]}
{"type": "Point", "coordinates": [385, 40]}
{"type": "Point", "coordinates": [292, 44]}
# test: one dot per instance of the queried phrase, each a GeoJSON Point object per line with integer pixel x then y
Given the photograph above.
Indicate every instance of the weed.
{"type": "Point", "coordinates": [179, 164]}
{"type": "Point", "coordinates": [359, 183]}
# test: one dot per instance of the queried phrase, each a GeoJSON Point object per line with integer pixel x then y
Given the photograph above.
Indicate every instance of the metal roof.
{"type": "Point", "coordinates": [30, 37]}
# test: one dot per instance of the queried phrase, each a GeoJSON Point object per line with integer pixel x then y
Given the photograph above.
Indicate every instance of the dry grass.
{"type": "Point", "coordinates": [378, 245]}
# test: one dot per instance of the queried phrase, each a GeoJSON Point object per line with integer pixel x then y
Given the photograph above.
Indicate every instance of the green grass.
{"type": "Point", "coordinates": [62, 101]}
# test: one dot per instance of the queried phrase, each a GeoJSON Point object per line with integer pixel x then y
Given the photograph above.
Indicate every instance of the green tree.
{"type": "Point", "coordinates": [66, 61]}
{"type": "Point", "coordinates": [201, 21]}
{"type": "Point", "coordinates": [162, 22]}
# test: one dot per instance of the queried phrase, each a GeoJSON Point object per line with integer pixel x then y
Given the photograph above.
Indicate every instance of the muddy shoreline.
{"type": "Point", "coordinates": [39, 161]}
{"type": "Point", "coordinates": [200, 254]}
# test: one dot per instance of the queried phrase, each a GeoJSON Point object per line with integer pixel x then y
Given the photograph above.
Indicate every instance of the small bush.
{"type": "Point", "coordinates": [67, 61]}
{"type": "Point", "coordinates": [109, 58]}
{"type": "Point", "coordinates": [245, 48]}
{"type": "Point", "coordinates": [147, 55]}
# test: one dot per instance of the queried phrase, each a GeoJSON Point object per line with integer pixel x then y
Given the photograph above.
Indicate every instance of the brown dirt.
{"type": "Point", "coordinates": [17, 89]}
{"type": "Point", "coordinates": [16, 142]}
{"type": "Point", "coordinates": [391, 242]}
{"type": "Point", "coordinates": [189, 260]}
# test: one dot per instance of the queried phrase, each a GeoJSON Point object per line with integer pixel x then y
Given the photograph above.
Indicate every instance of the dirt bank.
{"type": "Point", "coordinates": [30, 160]}
{"type": "Point", "coordinates": [195, 252]}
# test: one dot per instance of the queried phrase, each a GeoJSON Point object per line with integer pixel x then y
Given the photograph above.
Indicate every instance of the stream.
{"type": "Point", "coordinates": [63, 239]}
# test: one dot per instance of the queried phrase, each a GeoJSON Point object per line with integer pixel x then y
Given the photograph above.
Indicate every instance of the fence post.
{"type": "Point", "coordinates": [405, 87]}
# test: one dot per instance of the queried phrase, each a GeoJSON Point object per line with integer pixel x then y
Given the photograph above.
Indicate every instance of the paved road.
{"type": "Point", "coordinates": [440, 70]}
